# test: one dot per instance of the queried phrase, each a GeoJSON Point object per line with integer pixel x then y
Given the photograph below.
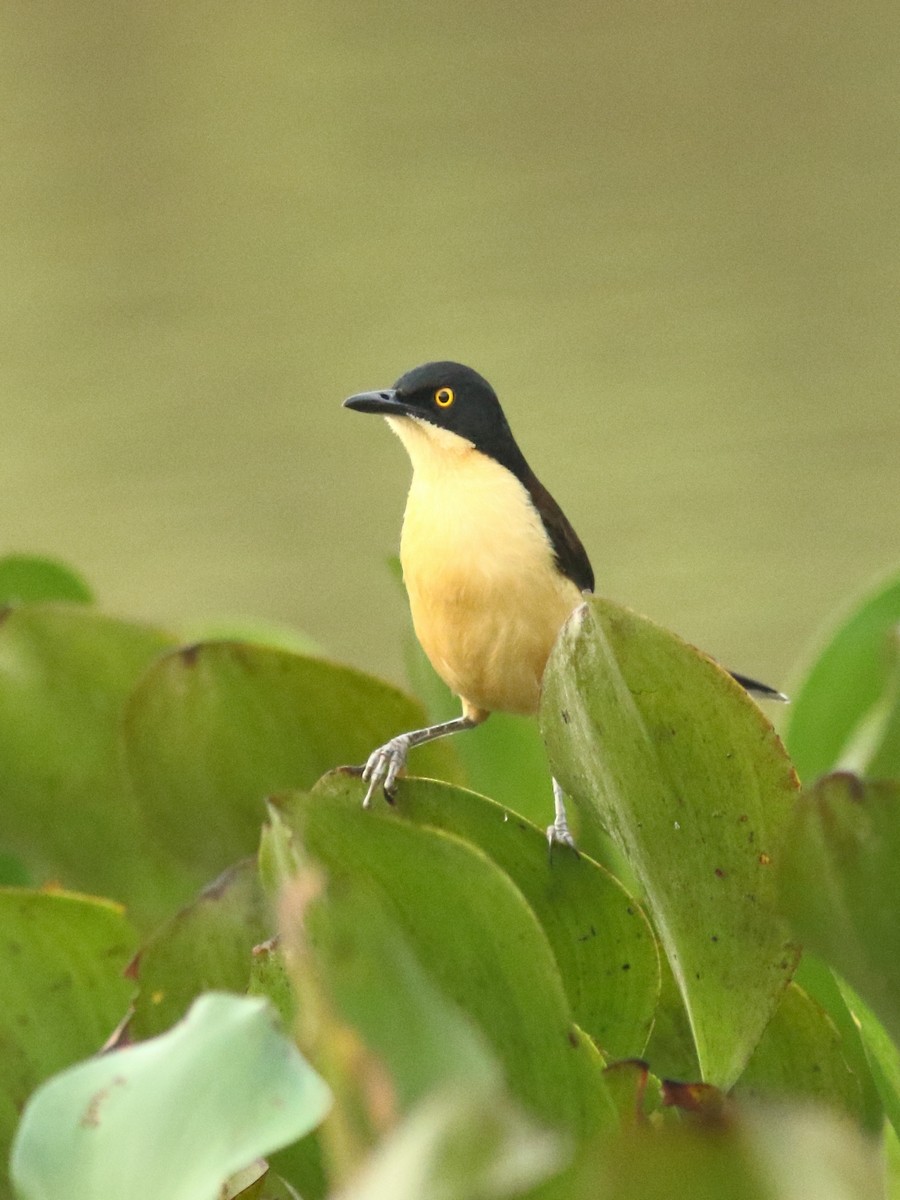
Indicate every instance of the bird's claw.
{"type": "Point", "coordinates": [558, 835]}
{"type": "Point", "coordinates": [383, 767]}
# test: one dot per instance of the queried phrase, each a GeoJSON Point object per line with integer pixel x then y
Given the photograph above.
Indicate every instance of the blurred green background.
{"type": "Point", "coordinates": [666, 232]}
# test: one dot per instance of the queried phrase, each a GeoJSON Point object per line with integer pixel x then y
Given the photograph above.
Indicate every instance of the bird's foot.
{"type": "Point", "coordinates": [383, 767]}
{"type": "Point", "coordinates": [558, 835]}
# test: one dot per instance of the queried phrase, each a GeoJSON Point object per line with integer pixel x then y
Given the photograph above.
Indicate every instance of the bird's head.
{"type": "Point", "coordinates": [446, 397]}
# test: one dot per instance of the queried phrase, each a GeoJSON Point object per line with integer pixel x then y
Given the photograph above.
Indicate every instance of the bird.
{"type": "Point", "coordinates": [491, 564]}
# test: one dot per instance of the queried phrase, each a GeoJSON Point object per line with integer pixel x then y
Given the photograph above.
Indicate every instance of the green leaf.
{"type": "Point", "coordinates": [472, 931]}
{"type": "Point", "coordinates": [27, 579]}
{"type": "Point", "coordinates": [174, 1116]}
{"type": "Point", "coordinates": [879, 736]}
{"type": "Point", "coordinates": [250, 631]}
{"type": "Point", "coordinates": [763, 1152]}
{"type": "Point", "coordinates": [841, 887]}
{"type": "Point", "coordinates": [13, 872]}
{"type": "Point", "coordinates": [346, 954]}
{"type": "Point", "coordinates": [276, 1188]}
{"type": "Point", "coordinates": [801, 1054]}
{"type": "Point", "coordinates": [819, 982]}
{"type": "Point", "coordinates": [604, 947]}
{"type": "Point", "coordinates": [457, 1146]}
{"type": "Point", "coordinates": [853, 673]}
{"type": "Point", "coordinates": [671, 1052]}
{"type": "Point", "coordinates": [269, 978]}
{"type": "Point", "coordinates": [350, 964]}
{"type": "Point", "coordinates": [873, 747]}
{"type": "Point", "coordinates": [662, 747]}
{"type": "Point", "coordinates": [68, 812]}
{"type": "Point", "coordinates": [883, 1055]}
{"type": "Point", "coordinates": [62, 988]}
{"type": "Point", "coordinates": [208, 946]}
{"type": "Point", "coordinates": [215, 728]}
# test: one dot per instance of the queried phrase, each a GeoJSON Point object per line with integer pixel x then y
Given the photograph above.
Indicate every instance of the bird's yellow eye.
{"type": "Point", "coordinates": [443, 397]}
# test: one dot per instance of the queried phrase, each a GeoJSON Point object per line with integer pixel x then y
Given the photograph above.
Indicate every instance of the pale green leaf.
{"type": "Point", "coordinates": [175, 1116]}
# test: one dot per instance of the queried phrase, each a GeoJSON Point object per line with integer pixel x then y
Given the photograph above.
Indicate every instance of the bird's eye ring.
{"type": "Point", "coordinates": [443, 397]}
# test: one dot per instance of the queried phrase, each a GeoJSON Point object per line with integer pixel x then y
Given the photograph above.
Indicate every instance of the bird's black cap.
{"type": "Point", "coordinates": [454, 397]}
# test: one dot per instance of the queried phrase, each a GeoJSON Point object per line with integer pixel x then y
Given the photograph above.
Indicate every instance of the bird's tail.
{"type": "Point", "coordinates": [762, 690]}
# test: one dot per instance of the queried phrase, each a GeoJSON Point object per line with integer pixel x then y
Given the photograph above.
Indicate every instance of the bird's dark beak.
{"type": "Point", "coordinates": [384, 403]}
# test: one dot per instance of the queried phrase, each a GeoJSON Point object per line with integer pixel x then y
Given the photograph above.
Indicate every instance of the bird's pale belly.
{"type": "Point", "coordinates": [486, 608]}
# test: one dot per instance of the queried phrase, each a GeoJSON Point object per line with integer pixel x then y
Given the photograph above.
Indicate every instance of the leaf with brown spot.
{"type": "Point", "coordinates": [675, 760]}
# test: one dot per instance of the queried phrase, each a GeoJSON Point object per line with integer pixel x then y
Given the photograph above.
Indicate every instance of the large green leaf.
{"type": "Point", "coordinates": [214, 728]}
{"type": "Point", "coordinates": [350, 963]}
{"type": "Point", "coordinates": [351, 966]}
{"type": "Point", "coordinates": [473, 932]}
{"type": "Point", "coordinates": [62, 988]}
{"type": "Point", "coordinates": [28, 578]}
{"type": "Point", "coordinates": [662, 747]}
{"type": "Point", "coordinates": [604, 947]}
{"type": "Point", "coordinates": [801, 1054]}
{"type": "Point", "coordinates": [852, 680]}
{"type": "Point", "coordinates": [68, 813]}
{"type": "Point", "coordinates": [207, 946]}
{"type": "Point", "coordinates": [841, 886]}
{"type": "Point", "coordinates": [173, 1117]}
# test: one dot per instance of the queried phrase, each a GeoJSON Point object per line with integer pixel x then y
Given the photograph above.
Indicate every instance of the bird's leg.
{"type": "Point", "coordinates": [385, 763]}
{"type": "Point", "coordinates": [558, 832]}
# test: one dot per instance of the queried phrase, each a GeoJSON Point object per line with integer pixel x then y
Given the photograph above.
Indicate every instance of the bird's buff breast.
{"type": "Point", "coordinates": [486, 597]}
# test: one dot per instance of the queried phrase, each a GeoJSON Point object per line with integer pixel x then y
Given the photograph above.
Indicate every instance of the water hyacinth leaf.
{"type": "Point", "coordinates": [841, 888]}
{"type": "Point", "coordinates": [254, 632]}
{"type": "Point", "coordinates": [246, 1184]}
{"type": "Point", "coordinates": [473, 932]}
{"type": "Point", "coordinates": [207, 946]}
{"type": "Point", "coordinates": [873, 746]}
{"type": "Point", "coordinates": [801, 1054]}
{"type": "Point", "coordinates": [68, 813]}
{"type": "Point", "coordinates": [31, 579]}
{"type": "Point", "coordinates": [882, 1053]}
{"type": "Point", "coordinates": [276, 1188]}
{"type": "Point", "coordinates": [144, 1122]}
{"type": "Point", "coordinates": [269, 978]}
{"type": "Point", "coordinates": [604, 947]}
{"type": "Point", "coordinates": [758, 1152]}
{"type": "Point", "coordinates": [460, 1144]}
{"type": "Point", "coordinates": [846, 683]}
{"type": "Point", "coordinates": [214, 728]}
{"type": "Point", "coordinates": [879, 739]}
{"type": "Point", "coordinates": [671, 1052]}
{"type": "Point", "coordinates": [62, 988]}
{"type": "Point", "coordinates": [13, 872]}
{"type": "Point", "coordinates": [347, 955]}
{"type": "Point", "coordinates": [817, 979]}
{"type": "Point", "coordinates": [659, 745]}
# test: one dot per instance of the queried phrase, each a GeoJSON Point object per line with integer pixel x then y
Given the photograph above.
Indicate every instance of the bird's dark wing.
{"type": "Point", "coordinates": [571, 557]}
